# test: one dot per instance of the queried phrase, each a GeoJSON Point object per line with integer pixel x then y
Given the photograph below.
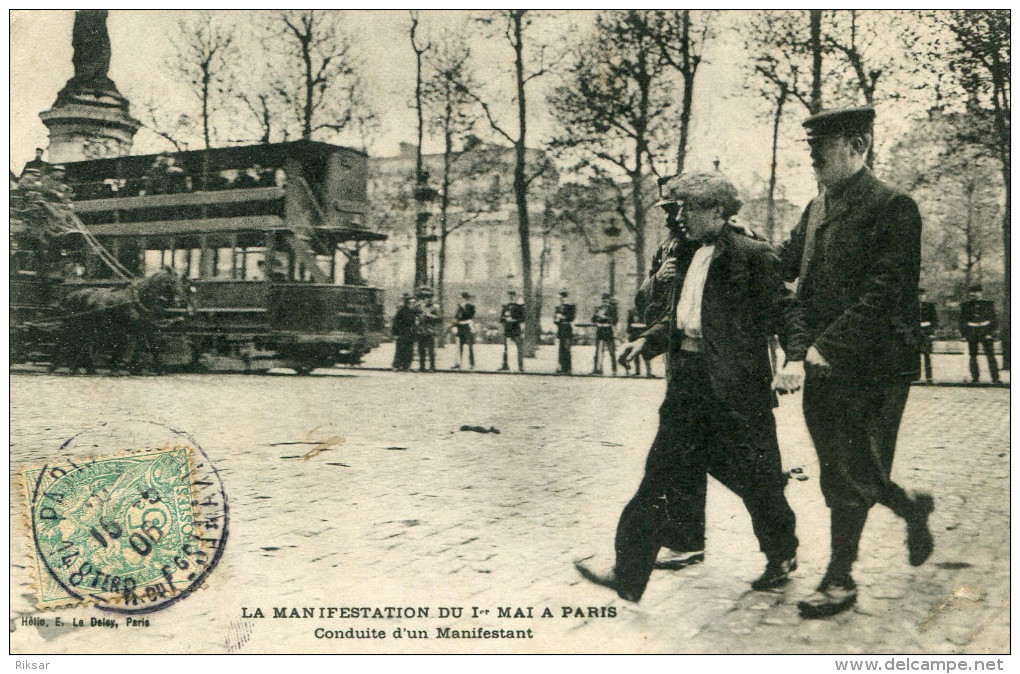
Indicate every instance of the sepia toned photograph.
{"type": "Point", "coordinates": [511, 332]}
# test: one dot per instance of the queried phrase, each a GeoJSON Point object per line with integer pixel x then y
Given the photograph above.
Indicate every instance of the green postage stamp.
{"type": "Point", "coordinates": [122, 532]}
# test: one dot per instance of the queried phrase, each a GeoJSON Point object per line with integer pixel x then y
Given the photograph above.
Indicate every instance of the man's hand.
{"type": "Point", "coordinates": [789, 378]}
{"type": "Point", "coordinates": [816, 359]}
{"type": "Point", "coordinates": [631, 350]}
{"type": "Point", "coordinates": [667, 271]}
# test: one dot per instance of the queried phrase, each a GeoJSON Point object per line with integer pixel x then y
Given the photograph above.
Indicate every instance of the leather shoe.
{"type": "Point", "coordinates": [833, 596]}
{"type": "Point", "coordinates": [606, 577]}
{"type": "Point", "coordinates": [674, 560]}
{"type": "Point", "coordinates": [919, 539]}
{"type": "Point", "coordinates": [776, 573]}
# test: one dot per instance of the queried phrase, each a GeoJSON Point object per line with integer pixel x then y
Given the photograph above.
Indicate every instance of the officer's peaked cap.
{"type": "Point", "coordinates": [840, 122]}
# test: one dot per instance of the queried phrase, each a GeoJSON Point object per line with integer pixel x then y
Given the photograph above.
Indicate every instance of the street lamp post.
{"type": "Point", "coordinates": [613, 231]}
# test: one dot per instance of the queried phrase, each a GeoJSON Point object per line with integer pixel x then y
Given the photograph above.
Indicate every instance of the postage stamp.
{"type": "Point", "coordinates": [129, 532]}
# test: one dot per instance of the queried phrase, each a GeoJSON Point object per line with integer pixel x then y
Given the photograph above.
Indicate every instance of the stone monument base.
{"type": "Point", "coordinates": [93, 126]}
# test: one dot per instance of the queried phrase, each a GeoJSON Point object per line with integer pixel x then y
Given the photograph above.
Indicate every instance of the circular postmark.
{"type": "Point", "coordinates": [132, 518]}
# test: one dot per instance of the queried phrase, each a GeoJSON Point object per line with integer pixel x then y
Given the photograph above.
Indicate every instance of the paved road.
{"type": "Point", "coordinates": [411, 511]}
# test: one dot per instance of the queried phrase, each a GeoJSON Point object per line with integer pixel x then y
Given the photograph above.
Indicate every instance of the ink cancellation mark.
{"type": "Point", "coordinates": [130, 533]}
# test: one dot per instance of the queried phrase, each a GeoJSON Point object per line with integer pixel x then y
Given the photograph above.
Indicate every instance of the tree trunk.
{"type": "Point", "coordinates": [999, 86]}
{"type": "Point", "coordinates": [816, 60]}
{"type": "Point", "coordinates": [532, 329]}
{"type": "Point", "coordinates": [687, 101]}
{"type": "Point", "coordinates": [421, 253]}
{"type": "Point", "coordinates": [444, 226]}
{"type": "Point", "coordinates": [770, 213]}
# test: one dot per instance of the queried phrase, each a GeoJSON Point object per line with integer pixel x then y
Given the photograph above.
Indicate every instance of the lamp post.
{"type": "Point", "coordinates": [613, 231]}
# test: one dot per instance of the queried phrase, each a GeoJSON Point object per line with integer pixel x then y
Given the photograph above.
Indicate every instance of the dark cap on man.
{"type": "Point", "coordinates": [466, 295]}
{"type": "Point", "coordinates": [564, 293]}
{"type": "Point", "coordinates": [975, 287]}
{"type": "Point", "coordinates": [840, 122]}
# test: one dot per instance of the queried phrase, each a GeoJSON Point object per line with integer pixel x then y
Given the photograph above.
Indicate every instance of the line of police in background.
{"type": "Point", "coordinates": [418, 324]}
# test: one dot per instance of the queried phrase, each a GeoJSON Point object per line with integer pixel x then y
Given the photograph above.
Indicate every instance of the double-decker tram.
{"type": "Point", "coordinates": [264, 237]}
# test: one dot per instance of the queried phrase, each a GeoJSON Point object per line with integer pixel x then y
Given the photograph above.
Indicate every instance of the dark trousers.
{"type": "Point", "coordinates": [605, 342]}
{"type": "Point", "coordinates": [519, 342]}
{"type": "Point", "coordinates": [403, 355]}
{"type": "Point", "coordinates": [426, 349]}
{"type": "Point", "coordinates": [926, 348]}
{"type": "Point", "coordinates": [465, 337]}
{"type": "Point", "coordinates": [700, 434]}
{"type": "Point", "coordinates": [988, 344]}
{"type": "Point", "coordinates": [853, 426]}
{"type": "Point", "coordinates": [565, 344]}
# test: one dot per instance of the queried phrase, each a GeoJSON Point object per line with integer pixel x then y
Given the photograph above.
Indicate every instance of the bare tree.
{"type": "Point", "coordinates": [313, 71]}
{"type": "Point", "coordinates": [452, 115]}
{"type": "Point", "coordinates": [681, 36]}
{"type": "Point", "coordinates": [979, 58]}
{"type": "Point", "coordinates": [205, 55]}
{"type": "Point", "coordinates": [614, 111]}
{"type": "Point", "coordinates": [773, 69]}
{"type": "Point", "coordinates": [515, 25]}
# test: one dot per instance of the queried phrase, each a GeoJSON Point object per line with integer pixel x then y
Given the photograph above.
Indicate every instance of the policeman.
{"type": "Point", "coordinates": [39, 164]}
{"type": "Point", "coordinates": [465, 326]}
{"type": "Point", "coordinates": [978, 325]}
{"type": "Point", "coordinates": [427, 327]}
{"type": "Point", "coordinates": [512, 318]}
{"type": "Point", "coordinates": [929, 323]}
{"type": "Point", "coordinates": [403, 334]}
{"type": "Point", "coordinates": [857, 254]}
{"type": "Point", "coordinates": [566, 313]}
{"type": "Point", "coordinates": [605, 319]}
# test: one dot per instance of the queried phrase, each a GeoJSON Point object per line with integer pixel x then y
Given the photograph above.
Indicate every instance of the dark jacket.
{"type": "Point", "coordinates": [977, 319]}
{"type": "Point", "coordinates": [564, 318]}
{"type": "Point", "coordinates": [860, 288]}
{"type": "Point", "coordinates": [743, 304]}
{"type": "Point", "coordinates": [403, 322]}
{"type": "Point", "coordinates": [512, 317]}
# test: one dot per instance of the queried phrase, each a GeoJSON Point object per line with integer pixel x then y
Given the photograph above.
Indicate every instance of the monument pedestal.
{"type": "Point", "coordinates": [89, 126]}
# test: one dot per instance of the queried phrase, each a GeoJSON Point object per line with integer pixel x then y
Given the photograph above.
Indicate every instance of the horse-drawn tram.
{"type": "Point", "coordinates": [265, 239]}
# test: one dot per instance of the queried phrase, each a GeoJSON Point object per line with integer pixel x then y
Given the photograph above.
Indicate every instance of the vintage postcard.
{"type": "Point", "coordinates": [511, 332]}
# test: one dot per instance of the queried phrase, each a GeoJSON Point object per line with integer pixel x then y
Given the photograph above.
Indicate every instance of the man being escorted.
{"type": "Point", "coordinates": [857, 253]}
{"type": "Point", "coordinates": [717, 414]}
{"type": "Point", "coordinates": [929, 324]}
{"type": "Point", "coordinates": [978, 325]}
{"type": "Point", "coordinates": [512, 318]}
{"type": "Point", "coordinates": [605, 319]}
{"type": "Point", "coordinates": [566, 313]}
{"type": "Point", "coordinates": [464, 324]}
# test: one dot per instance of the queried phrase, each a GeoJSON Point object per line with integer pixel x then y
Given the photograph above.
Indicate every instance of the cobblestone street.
{"type": "Point", "coordinates": [407, 510]}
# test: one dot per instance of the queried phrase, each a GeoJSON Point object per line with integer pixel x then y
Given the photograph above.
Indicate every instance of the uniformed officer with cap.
{"type": "Point", "coordinates": [978, 325]}
{"type": "Point", "coordinates": [605, 319]}
{"type": "Point", "coordinates": [565, 314]}
{"type": "Point", "coordinates": [463, 323]}
{"type": "Point", "coordinates": [717, 414]}
{"type": "Point", "coordinates": [512, 318]}
{"type": "Point", "coordinates": [427, 327]}
{"type": "Point", "coordinates": [857, 255]}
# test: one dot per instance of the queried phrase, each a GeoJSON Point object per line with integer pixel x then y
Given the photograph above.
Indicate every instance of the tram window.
{"type": "Point", "coordinates": [223, 262]}
{"type": "Point", "coordinates": [180, 260]}
{"type": "Point", "coordinates": [153, 261]}
{"type": "Point", "coordinates": [194, 262]}
{"type": "Point", "coordinates": [253, 268]}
